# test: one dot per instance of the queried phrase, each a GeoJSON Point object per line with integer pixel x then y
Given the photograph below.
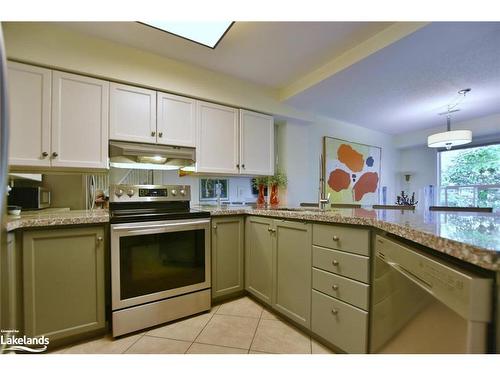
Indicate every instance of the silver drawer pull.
{"type": "Point", "coordinates": [335, 287]}
{"type": "Point", "coordinates": [334, 311]}
{"type": "Point", "coordinates": [335, 262]}
{"type": "Point", "coordinates": [336, 238]}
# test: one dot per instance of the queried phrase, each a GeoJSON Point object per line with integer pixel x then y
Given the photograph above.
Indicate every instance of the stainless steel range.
{"type": "Point", "coordinates": [160, 256]}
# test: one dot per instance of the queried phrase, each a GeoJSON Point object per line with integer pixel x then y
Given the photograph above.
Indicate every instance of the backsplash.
{"type": "Point", "coordinates": [73, 190]}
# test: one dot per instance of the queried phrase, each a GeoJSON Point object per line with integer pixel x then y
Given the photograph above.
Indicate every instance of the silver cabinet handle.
{"type": "Point", "coordinates": [335, 287]}
{"type": "Point", "coordinates": [335, 262]}
{"type": "Point", "coordinates": [334, 311]}
{"type": "Point", "coordinates": [99, 239]}
{"type": "Point", "coordinates": [45, 154]}
{"type": "Point", "coordinates": [55, 154]}
{"type": "Point", "coordinates": [215, 227]}
{"type": "Point", "coordinates": [336, 238]}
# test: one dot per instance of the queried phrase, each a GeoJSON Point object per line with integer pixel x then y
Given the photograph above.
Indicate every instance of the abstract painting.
{"type": "Point", "coordinates": [352, 171]}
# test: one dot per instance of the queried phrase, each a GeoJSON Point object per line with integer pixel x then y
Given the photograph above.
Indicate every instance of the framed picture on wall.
{"type": "Point", "coordinates": [352, 171]}
{"type": "Point", "coordinates": [209, 186]}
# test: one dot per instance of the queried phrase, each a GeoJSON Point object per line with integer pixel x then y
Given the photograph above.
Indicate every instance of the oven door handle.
{"type": "Point", "coordinates": [138, 228]}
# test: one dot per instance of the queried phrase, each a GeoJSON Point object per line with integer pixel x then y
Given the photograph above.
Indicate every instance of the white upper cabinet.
{"type": "Point", "coordinates": [256, 143]}
{"type": "Point", "coordinates": [79, 121]}
{"type": "Point", "coordinates": [217, 145]}
{"type": "Point", "coordinates": [176, 121]}
{"type": "Point", "coordinates": [29, 97]}
{"type": "Point", "coordinates": [132, 114]}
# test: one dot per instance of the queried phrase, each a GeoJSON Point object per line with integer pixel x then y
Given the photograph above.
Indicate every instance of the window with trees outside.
{"type": "Point", "coordinates": [470, 177]}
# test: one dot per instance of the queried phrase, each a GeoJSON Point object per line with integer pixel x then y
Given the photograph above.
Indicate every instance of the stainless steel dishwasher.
{"type": "Point", "coordinates": [422, 304]}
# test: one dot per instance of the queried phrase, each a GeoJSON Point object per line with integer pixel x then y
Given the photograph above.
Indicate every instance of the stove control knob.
{"type": "Point", "coordinates": [173, 192]}
{"type": "Point", "coordinates": [118, 192]}
{"type": "Point", "coordinates": [183, 192]}
{"type": "Point", "coordinates": [130, 193]}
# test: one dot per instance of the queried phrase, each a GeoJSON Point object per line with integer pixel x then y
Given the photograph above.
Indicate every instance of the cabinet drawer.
{"type": "Point", "coordinates": [342, 263]}
{"type": "Point", "coordinates": [353, 240]}
{"type": "Point", "coordinates": [343, 325]}
{"type": "Point", "coordinates": [347, 290]}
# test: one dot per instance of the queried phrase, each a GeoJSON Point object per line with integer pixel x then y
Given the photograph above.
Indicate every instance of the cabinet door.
{"type": "Point", "coordinates": [176, 123]}
{"type": "Point", "coordinates": [227, 255]}
{"type": "Point", "coordinates": [217, 139]}
{"type": "Point", "coordinates": [292, 276]}
{"type": "Point", "coordinates": [63, 281]}
{"type": "Point", "coordinates": [132, 114]}
{"type": "Point", "coordinates": [256, 143]}
{"type": "Point", "coordinates": [79, 121]}
{"type": "Point", "coordinates": [11, 281]}
{"type": "Point", "coordinates": [29, 97]}
{"type": "Point", "coordinates": [259, 258]}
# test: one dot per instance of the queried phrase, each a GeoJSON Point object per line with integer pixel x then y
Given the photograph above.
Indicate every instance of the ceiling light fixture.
{"type": "Point", "coordinates": [207, 33]}
{"type": "Point", "coordinates": [451, 138]}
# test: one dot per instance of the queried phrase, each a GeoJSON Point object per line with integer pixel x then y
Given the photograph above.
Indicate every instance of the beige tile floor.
{"type": "Point", "coordinates": [239, 326]}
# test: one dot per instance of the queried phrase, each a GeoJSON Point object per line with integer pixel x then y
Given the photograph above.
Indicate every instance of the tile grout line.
{"type": "Point", "coordinates": [255, 332]}
{"type": "Point", "coordinates": [140, 337]}
{"type": "Point", "coordinates": [201, 330]}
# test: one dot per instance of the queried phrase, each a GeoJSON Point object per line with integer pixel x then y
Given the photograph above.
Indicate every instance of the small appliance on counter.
{"type": "Point", "coordinates": [29, 198]}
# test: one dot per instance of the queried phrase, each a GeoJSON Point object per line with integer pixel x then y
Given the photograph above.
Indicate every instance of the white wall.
{"type": "Point", "coordinates": [300, 145]}
{"type": "Point", "coordinates": [421, 163]}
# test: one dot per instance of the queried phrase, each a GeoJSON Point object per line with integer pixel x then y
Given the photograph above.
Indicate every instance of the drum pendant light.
{"type": "Point", "coordinates": [450, 138]}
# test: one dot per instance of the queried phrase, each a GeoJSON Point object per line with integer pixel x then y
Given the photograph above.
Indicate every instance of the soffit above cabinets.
{"type": "Point", "coordinates": [270, 54]}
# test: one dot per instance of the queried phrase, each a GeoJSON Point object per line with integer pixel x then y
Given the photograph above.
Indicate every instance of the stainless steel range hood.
{"type": "Point", "coordinates": [148, 156]}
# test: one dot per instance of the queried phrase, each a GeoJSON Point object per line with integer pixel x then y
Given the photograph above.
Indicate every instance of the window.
{"type": "Point", "coordinates": [470, 177]}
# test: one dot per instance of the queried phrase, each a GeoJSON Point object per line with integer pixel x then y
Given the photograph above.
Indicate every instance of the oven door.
{"type": "Point", "coordinates": [158, 259]}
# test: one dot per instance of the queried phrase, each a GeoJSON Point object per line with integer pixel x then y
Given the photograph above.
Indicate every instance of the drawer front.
{"type": "Point", "coordinates": [343, 325]}
{"type": "Point", "coordinates": [352, 240]}
{"type": "Point", "coordinates": [345, 264]}
{"type": "Point", "coordinates": [342, 288]}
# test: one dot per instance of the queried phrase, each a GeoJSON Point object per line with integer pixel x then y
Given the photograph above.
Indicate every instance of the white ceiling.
{"type": "Point", "coordinates": [272, 54]}
{"type": "Point", "coordinates": [404, 86]}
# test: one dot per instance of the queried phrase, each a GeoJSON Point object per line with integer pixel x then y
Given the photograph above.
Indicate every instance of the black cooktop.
{"type": "Point", "coordinates": [132, 212]}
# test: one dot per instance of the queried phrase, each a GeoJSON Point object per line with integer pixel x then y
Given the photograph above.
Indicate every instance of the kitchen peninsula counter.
{"type": "Point", "coordinates": [50, 218]}
{"type": "Point", "coordinates": [471, 237]}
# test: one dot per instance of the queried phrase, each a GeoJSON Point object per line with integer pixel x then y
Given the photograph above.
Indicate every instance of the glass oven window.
{"type": "Point", "coordinates": [159, 262]}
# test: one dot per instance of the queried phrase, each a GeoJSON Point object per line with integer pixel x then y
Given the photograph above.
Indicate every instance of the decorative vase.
{"type": "Point", "coordinates": [274, 195]}
{"type": "Point", "coordinates": [261, 200]}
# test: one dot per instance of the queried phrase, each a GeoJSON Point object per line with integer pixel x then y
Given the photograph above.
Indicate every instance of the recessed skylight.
{"type": "Point", "coordinates": [207, 33]}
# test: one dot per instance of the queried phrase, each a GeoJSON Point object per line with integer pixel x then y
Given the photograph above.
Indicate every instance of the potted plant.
{"type": "Point", "coordinates": [278, 180]}
{"type": "Point", "coordinates": [260, 183]}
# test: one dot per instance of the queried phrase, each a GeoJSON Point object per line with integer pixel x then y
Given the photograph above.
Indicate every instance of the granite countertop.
{"type": "Point", "coordinates": [471, 237]}
{"type": "Point", "coordinates": [47, 218]}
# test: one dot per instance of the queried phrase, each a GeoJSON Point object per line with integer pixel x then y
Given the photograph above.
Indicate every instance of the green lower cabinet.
{"type": "Point", "coordinates": [292, 273]}
{"type": "Point", "coordinates": [259, 258]}
{"type": "Point", "coordinates": [63, 281]}
{"type": "Point", "coordinates": [342, 324]}
{"type": "Point", "coordinates": [227, 255]}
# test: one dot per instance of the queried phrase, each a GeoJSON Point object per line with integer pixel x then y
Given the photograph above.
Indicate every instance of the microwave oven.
{"type": "Point", "coordinates": [29, 198]}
